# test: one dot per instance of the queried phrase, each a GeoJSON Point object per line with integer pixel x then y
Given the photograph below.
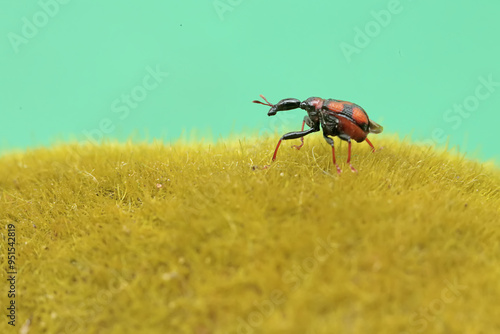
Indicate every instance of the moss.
{"type": "Point", "coordinates": [189, 238]}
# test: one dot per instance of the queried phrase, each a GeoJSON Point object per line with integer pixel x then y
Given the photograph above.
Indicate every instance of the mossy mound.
{"type": "Point", "coordinates": [192, 238]}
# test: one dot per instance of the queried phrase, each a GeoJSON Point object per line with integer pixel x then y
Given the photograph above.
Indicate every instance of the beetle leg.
{"type": "Point", "coordinates": [349, 157]}
{"type": "Point", "coordinates": [307, 120]}
{"type": "Point", "coordinates": [370, 143]}
{"type": "Point", "coordinates": [330, 141]}
{"type": "Point", "coordinates": [293, 135]}
{"type": "Point", "coordinates": [298, 147]}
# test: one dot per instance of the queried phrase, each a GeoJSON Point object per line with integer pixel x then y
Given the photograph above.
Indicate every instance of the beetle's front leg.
{"type": "Point", "coordinates": [293, 135]}
{"type": "Point", "coordinates": [310, 124]}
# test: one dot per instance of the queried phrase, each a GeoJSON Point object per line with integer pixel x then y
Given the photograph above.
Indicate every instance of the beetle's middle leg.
{"type": "Point", "coordinates": [330, 141]}
{"type": "Point", "coordinates": [345, 137]}
{"type": "Point", "coordinates": [349, 156]}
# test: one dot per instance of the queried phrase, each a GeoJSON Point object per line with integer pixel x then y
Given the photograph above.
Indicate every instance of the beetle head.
{"type": "Point", "coordinates": [312, 104]}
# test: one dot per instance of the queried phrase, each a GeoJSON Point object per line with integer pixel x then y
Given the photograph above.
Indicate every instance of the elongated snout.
{"type": "Point", "coordinates": [272, 111]}
{"type": "Point", "coordinates": [285, 104]}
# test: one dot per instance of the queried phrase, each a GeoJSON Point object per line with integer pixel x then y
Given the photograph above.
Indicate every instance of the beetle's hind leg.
{"type": "Point", "coordinates": [370, 143]}
{"type": "Point", "coordinates": [307, 121]}
{"type": "Point", "coordinates": [330, 141]}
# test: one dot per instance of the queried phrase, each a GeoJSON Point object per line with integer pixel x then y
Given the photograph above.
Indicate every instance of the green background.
{"type": "Point", "coordinates": [68, 67]}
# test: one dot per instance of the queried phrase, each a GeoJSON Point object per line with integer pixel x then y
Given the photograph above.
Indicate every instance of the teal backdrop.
{"type": "Point", "coordinates": [88, 70]}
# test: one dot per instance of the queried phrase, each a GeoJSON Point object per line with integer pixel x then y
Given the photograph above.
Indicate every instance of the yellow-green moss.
{"type": "Point", "coordinates": [189, 238]}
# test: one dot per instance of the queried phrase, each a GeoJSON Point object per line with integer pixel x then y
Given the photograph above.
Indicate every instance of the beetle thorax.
{"type": "Point", "coordinates": [313, 107]}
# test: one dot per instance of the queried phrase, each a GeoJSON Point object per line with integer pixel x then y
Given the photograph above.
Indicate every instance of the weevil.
{"type": "Point", "coordinates": [336, 118]}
